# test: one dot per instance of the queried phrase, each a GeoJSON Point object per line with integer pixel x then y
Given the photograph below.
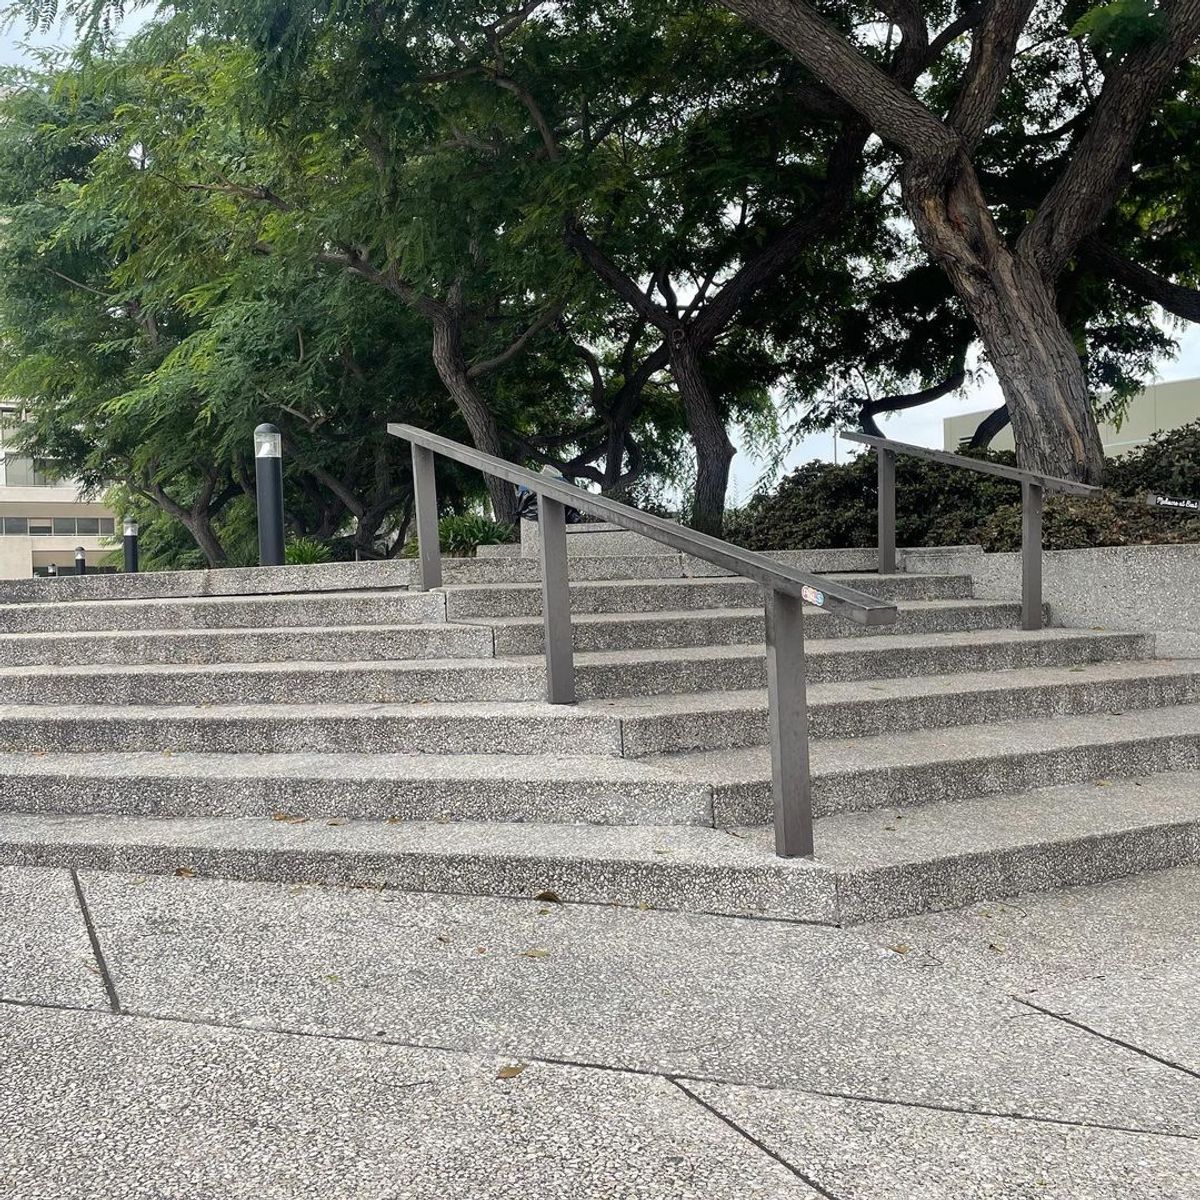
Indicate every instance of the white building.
{"type": "Point", "coordinates": [1161, 406]}
{"type": "Point", "coordinates": [43, 520]}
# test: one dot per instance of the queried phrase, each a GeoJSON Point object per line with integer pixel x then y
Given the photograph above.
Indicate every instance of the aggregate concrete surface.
{"type": "Point", "coordinates": [186, 1037]}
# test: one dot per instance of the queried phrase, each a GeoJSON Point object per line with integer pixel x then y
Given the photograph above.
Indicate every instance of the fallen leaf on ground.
{"type": "Point", "coordinates": [900, 948]}
{"type": "Point", "coordinates": [185, 872]}
{"type": "Point", "coordinates": [536, 952]}
{"type": "Point", "coordinates": [548, 897]}
{"type": "Point", "coordinates": [511, 1072]}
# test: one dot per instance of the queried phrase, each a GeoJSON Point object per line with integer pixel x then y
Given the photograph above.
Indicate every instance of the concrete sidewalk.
{"type": "Point", "coordinates": [182, 1037]}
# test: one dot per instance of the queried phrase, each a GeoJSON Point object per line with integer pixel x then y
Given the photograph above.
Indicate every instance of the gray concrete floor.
{"type": "Point", "coordinates": [169, 1037]}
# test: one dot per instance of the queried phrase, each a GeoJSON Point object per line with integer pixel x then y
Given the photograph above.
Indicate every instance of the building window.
{"type": "Point", "coordinates": [24, 472]}
{"type": "Point", "coordinates": [40, 527]}
{"type": "Point", "coordinates": [16, 526]}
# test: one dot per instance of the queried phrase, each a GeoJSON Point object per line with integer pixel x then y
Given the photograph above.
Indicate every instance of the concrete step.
{"type": "Point", "coordinates": [666, 724]}
{"type": "Point", "coordinates": [354, 643]}
{"type": "Point", "coordinates": [673, 595]}
{"type": "Point", "coordinates": [599, 675]}
{"type": "Point", "coordinates": [464, 728]}
{"type": "Point", "coordinates": [320, 577]}
{"type": "Point", "coordinates": [411, 787]}
{"type": "Point", "coordinates": [730, 789]}
{"type": "Point", "coordinates": [378, 607]}
{"type": "Point", "coordinates": [868, 866]}
{"type": "Point", "coordinates": [734, 626]}
{"type": "Point", "coordinates": [938, 765]}
{"type": "Point", "coordinates": [633, 727]}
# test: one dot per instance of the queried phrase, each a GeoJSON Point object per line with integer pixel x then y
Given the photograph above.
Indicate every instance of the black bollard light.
{"type": "Point", "coordinates": [80, 561]}
{"type": "Point", "coordinates": [268, 476]}
{"type": "Point", "coordinates": [52, 570]}
{"type": "Point", "coordinates": [130, 544]}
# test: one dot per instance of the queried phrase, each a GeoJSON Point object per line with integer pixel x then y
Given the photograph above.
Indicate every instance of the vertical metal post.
{"type": "Point", "coordinates": [1031, 555]}
{"type": "Point", "coordinates": [556, 602]}
{"type": "Point", "coordinates": [52, 570]}
{"type": "Point", "coordinates": [429, 548]}
{"type": "Point", "coordinates": [791, 783]}
{"type": "Point", "coordinates": [268, 478]}
{"type": "Point", "coordinates": [80, 561]}
{"type": "Point", "coordinates": [130, 545]}
{"type": "Point", "coordinates": [887, 511]}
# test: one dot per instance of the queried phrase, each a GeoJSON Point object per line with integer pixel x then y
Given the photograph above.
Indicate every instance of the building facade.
{"type": "Point", "coordinates": [42, 519]}
{"type": "Point", "coordinates": [1161, 406]}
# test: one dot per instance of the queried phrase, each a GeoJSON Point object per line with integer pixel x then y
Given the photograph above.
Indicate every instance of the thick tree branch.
{"type": "Point", "coordinates": [620, 283]}
{"type": "Point", "coordinates": [484, 367]}
{"type": "Point", "coordinates": [1174, 297]}
{"type": "Point", "coordinates": [898, 403]}
{"type": "Point", "coordinates": [891, 110]}
{"type": "Point", "coordinates": [992, 50]}
{"type": "Point", "coordinates": [1099, 166]}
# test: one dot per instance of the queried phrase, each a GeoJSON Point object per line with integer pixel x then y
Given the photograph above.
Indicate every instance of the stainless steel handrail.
{"type": "Point", "coordinates": [1034, 485]}
{"type": "Point", "coordinates": [786, 591]}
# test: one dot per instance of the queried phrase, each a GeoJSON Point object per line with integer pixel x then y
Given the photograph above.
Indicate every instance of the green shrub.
{"type": "Point", "coordinates": [821, 505]}
{"type": "Point", "coordinates": [1078, 522]}
{"type": "Point", "coordinates": [460, 536]}
{"type": "Point", "coordinates": [304, 551]}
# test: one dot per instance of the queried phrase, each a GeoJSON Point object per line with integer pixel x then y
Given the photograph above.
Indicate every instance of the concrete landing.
{"type": "Point", "coordinates": [187, 1038]}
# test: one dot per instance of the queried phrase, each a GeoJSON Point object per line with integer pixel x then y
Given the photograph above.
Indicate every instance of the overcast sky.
{"type": "Point", "coordinates": [922, 426]}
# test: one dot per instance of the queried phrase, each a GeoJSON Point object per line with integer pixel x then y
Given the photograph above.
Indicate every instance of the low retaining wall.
{"type": "Point", "coordinates": [1139, 589]}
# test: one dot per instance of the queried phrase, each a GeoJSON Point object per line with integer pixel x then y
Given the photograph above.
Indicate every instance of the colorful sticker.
{"type": "Point", "coordinates": [812, 595]}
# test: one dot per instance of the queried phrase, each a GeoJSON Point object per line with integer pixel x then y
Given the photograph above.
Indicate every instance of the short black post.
{"type": "Point", "coordinates": [268, 476]}
{"type": "Point", "coordinates": [80, 561]}
{"type": "Point", "coordinates": [52, 570]}
{"type": "Point", "coordinates": [130, 543]}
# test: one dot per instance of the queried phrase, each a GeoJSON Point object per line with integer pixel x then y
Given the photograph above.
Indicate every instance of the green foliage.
{"type": "Point", "coordinates": [821, 505]}
{"type": "Point", "coordinates": [1120, 26]}
{"type": "Point", "coordinates": [303, 551]}
{"type": "Point", "coordinates": [1169, 465]}
{"type": "Point", "coordinates": [1078, 523]}
{"type": "Point", "coordinates": [462, 534]}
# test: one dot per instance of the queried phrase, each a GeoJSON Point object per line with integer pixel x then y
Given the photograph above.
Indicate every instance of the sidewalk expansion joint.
{"type": "Point", "coordinates": [97, 953]}
{"type": "Point", "coordinates": [1108, 1037]}
{"type": "Point", "coordinates": [381, 1039]}
{"type": "Point", "coordinates": [759, 1145]}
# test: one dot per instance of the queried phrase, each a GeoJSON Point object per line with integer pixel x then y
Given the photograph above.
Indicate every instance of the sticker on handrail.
{"type": "Point", "coordinates": [813, 596]}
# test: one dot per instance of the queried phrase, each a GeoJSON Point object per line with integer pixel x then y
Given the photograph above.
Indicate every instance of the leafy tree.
{"type": "Point", "coordinates": [1008, 285]}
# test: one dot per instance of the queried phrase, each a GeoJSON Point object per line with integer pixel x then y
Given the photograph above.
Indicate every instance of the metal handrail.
{"type": "Point", "coordinates": [786, 591]}
{"type": "Point", "coordinates": [1052, 483]}
{"type": "Point", "coordinates": [1034, 485]}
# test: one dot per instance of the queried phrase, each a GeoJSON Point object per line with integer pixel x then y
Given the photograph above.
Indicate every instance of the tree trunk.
{"type": "Point", "coordinates": [485, 432]}
{"type": "Point", "coordinates": [714, 450]}
{"type": "Point", "coordinates": [1013, 307]}
{"type": "Point", "coordinates": [199, 525]}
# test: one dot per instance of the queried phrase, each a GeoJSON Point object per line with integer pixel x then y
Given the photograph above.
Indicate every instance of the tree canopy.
{"type": "Point", "coordinates": [599, 237]}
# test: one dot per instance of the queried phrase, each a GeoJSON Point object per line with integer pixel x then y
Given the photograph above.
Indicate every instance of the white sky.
{"type": "Point", "coordinates": [922, 426]}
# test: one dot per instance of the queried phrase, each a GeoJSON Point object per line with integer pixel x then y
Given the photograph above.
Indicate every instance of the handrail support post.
{"type": "Point", "coordinates": [887, 511]}
{"type": "Point", "coordinates": [429, 549]}
{"type": "Point", "coordinates": [1032, 496]}
{"type": "Point", "coordinates": [791, 782]}
{"type": "Point", "coordinates": [556, 601]}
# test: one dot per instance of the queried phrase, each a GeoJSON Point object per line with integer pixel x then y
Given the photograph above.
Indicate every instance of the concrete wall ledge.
{"type": "Point", "coordinates": [1135, 589]}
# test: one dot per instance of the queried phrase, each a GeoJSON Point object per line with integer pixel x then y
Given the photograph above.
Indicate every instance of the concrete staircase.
{"type": "Point", "coordinates": [327, 724]}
